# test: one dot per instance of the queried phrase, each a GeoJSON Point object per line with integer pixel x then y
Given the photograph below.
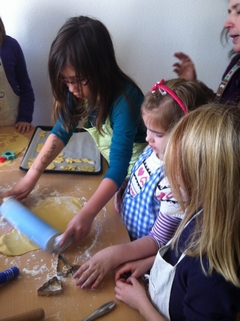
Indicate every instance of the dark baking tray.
{"type": "Point", "coordinates": [84, 147]}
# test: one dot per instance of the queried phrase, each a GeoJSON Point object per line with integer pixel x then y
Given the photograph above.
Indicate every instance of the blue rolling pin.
{"type": "Point", "coordinates": [32, 226]}
{"type": "Point", "coordinates": [9, 274]}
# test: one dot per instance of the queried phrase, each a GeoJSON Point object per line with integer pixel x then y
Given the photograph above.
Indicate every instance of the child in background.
{"type": "Point", "coordinates": [196, 275]}
{"type": "Point", "coordinates": [88, 83]}
{"type": "Point", "coordinates": [150, 209]}
{"type": "Point", "coordinates": [148, 194]}
{"type": "Point", "coordinates": [16, 93]}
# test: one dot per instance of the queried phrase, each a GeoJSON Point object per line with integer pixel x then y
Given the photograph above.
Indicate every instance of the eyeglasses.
{"type": "Point", "coordinates": [74, 82]}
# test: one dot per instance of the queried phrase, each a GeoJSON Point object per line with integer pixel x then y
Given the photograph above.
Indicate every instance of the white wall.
{"type": "Point", "coordinates": [145, 34]}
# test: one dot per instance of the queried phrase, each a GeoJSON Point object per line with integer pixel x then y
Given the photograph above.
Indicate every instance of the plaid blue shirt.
{"type": "Point", "coordinates": [140, 211]}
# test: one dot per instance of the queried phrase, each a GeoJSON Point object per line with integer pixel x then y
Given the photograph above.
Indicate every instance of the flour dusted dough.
{"type": "Point", "coordinates": [14, 142]}
{"type": "Point", "coordinates": [15, 243]}
{"type": "Point", "coordinates": [56, 211]}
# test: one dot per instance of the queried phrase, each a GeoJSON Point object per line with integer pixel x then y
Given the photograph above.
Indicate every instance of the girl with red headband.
{"type": "Point", "coordinates": [147, 194]}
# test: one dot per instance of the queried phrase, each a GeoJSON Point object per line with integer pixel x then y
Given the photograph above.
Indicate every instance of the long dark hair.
{"type": "Point", "coordinates": [86, 45]}
{"type": "Point", "coordinates": [2, 32]}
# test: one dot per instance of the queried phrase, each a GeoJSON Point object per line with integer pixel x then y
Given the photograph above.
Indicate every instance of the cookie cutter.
{"type": "Point", "coordinates": [67, 268]}
{"type": "Point", "coordinates": [52, 287]}
{"type": "Point", "coordinates": [9, 154]}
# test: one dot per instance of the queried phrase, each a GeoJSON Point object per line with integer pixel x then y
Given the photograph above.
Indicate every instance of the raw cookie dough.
{"type": "Point", "coordinates": [14, 142]}
{"type": "Point", "coordinates": [42, 134]}
{"type": "Point", "coordinates": [39, 147]}
{"type": "Point", "coordinates": [58, 160]}
{"type": "Point", "coordinates": [70, 160]}
{"type": "Point", "coordinates": [56, 211]}
{"type": "Point", "coordinates": [68, 167]}
{"type": "Point", "coordinates": [89, 161]}
{"type": "Point", "coordinates": [86, 168]}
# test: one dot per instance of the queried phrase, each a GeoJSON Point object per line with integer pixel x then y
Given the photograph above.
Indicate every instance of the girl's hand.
{"type": "Point", "coordinates": [79, 226]}
{"type": "Point", "coordinates": [185, 68]}
{"type": "Point", "coordinates": [94, 270]}
{"type": "Point", "coordinates": [22, 189]}
{"type": "Point", "coordinates": [131, 292]}
{"type": "Point", "coordinates": [134, 268]}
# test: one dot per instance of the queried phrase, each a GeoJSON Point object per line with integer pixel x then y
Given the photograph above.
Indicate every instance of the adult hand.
{"type": "Point", "coordinates": [23, 127]}
{"type": "Point", "coordinates": [94, 270]}
{"type": "Point", "coordinates": [185, 67]}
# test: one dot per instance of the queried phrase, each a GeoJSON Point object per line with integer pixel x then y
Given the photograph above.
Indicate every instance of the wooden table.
{"type": "Point", "coordinates": [37, 267]}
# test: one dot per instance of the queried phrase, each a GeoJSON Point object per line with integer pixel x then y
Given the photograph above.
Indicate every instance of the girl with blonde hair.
{"type": "Point", "coordinates": [196, 275]}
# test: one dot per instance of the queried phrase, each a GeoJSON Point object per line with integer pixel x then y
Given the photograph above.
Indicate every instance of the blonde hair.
{"type": "Point", "coordinates": [203, 157]}
{"type": "Point", "coordinates": [164, 111]}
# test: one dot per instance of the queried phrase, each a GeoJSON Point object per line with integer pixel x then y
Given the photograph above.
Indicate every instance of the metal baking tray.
{"type": "Point", "coordinates": [81, 145]}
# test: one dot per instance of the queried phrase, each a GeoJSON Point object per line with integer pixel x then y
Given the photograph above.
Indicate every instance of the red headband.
{"type": "Point", "coordinates": [164, 90]}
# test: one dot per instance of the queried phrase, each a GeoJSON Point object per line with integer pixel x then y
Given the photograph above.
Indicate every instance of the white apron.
{"type": "Point", "coordinates": [9, 101]}
{"type": "Point", "coordinates": [161, 279]}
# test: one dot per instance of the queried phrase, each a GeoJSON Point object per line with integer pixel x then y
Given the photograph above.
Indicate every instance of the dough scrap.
{"type": "Point", "coordinates": [14, 142]}
{"type": "Point", "coordinates": [56, 211]}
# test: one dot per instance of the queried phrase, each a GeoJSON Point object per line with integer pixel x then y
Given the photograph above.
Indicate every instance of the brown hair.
{"type": "Point", "coordinates": [2, 32]}
{"type": "Point", "coordinates": [86, 45]}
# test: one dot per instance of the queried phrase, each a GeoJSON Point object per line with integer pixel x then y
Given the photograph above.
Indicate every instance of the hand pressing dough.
{"type": "Point", "coordinates": [56, 211]}
{"type": "Point", "coordinates": [14, 142]}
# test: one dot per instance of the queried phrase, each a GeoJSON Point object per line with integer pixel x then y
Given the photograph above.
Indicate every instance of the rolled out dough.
{"type": "Point", "coordinates": [14, 142]}
{"type": "Point", "coordinates": [56, 211]}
